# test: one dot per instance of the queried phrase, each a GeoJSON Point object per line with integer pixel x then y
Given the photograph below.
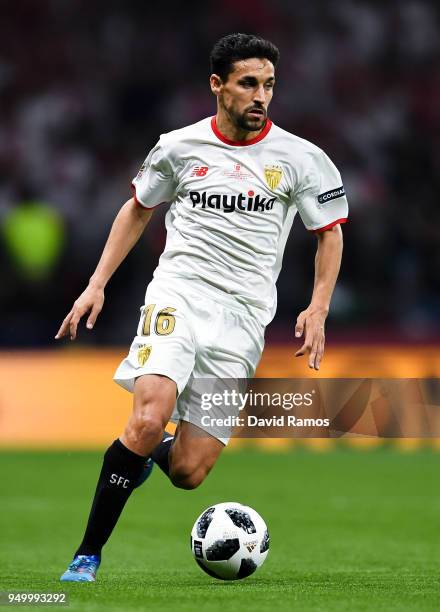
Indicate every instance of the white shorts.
{"type": "Point", "coordinates": [189, 330]}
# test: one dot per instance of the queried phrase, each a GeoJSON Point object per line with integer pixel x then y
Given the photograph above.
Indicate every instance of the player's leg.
{"type": "Point", "coordinates": [229, 346]}
{"type": "Point", "coordinates": [154, 400]}
{"type": "Point", "coordinates": [188, 457]}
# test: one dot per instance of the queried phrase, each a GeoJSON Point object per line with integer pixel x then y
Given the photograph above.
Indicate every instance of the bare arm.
{"type": "Point", "coordinates": [312, 320]}
{"type": "Point", "coordinates": [126, 230]}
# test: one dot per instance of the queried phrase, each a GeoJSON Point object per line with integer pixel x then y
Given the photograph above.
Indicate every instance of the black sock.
{"type": "Point", "coordinates": [161, 452]}
{"type": "Point", "coordinates": [121, 469]}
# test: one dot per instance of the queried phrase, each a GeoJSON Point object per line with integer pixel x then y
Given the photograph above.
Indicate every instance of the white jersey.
{"type": "Point", "coordinates": [233, 204]}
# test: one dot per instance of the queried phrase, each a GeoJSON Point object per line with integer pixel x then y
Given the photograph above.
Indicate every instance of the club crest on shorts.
{"type": "Point", "coordinates": [273, 176]}
{"type": "Point", "coordinates": [143, 353]}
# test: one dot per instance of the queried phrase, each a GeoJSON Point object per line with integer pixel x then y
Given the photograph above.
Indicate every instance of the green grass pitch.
{"type": "Point", "coordinates": [350, 530]}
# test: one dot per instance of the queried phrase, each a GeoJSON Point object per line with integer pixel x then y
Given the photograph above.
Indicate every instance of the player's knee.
{"type": "Point", "coordinates": [150, 425]}
{"type": "Point", "coordinates": [185, 477]}
{"type": "Point", "coordinates": [152, 408]}
{"type": "Point", "coordinates": [145, 426]}
{"type": "Point", "coordinates": [187, 482]}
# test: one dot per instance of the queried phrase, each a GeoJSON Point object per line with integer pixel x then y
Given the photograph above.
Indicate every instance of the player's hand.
{"type": "Point", "coordinates": [91, 300]}
{"type": "Point", "coordinates": [311, 323]}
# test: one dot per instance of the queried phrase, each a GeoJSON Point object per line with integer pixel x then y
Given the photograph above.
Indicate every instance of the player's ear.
{"type": "Point", "coordinates": [216, 84]}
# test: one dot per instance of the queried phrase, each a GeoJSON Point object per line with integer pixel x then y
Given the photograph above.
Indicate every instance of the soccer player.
{"type": "Point", "coordinates": [235, 183]}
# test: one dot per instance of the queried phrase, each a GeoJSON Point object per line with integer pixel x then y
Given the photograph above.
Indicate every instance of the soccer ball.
{"type": "Point", "coordinates": [229, 541]}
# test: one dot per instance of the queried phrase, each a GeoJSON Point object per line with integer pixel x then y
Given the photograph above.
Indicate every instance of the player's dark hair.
{"type": "Point", "coordinates": [235, 47]}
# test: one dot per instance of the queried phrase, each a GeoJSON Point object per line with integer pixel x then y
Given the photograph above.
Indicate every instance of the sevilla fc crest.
{"type": "Point", "coordinates": [273, 176]}
{"type": "Point", "coordinates": [143, 353]}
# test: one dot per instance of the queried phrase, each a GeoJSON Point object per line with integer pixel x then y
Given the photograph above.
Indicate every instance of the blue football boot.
{"type": "Point", "coordinates": [82, 569]}
{"type": "Point", "coordinates": [147, 469]}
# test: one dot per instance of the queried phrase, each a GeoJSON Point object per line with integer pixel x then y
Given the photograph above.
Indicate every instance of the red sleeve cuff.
{"type": "Point", "coordinates": [318, 230]}
{"type": "Point", "coordinates": [136, 201]}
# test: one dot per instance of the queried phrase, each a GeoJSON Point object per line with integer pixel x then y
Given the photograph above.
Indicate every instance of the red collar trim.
{"type": "Point", "coordinates": [241, 143]}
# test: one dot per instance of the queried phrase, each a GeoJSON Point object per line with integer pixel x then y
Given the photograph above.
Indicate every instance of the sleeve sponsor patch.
{"type": "Point", "coordinates": [323, 198]}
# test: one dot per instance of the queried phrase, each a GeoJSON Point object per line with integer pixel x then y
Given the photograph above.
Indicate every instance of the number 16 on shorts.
{"type": "Point", "coordinates": [162, 324]}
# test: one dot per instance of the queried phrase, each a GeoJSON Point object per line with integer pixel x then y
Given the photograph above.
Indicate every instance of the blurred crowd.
{"type": "Point", "coordinates": [87, 87]}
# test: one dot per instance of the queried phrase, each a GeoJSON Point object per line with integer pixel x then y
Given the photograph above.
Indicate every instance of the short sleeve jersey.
{"type": "Point", "coordinates": [233, 205]}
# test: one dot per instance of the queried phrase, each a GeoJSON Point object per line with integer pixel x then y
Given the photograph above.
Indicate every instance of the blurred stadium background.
{"type": "Point", "coordinates": [85, 90]}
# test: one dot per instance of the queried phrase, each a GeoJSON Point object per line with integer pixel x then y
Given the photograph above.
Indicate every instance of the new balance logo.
{"type": "Point", "coordinates": [119, 480]}
{"type": "Point", "coordinates": [199, 171]}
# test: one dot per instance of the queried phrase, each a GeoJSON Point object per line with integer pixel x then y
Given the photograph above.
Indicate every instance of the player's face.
{"type": "Point", "coordinates": [247, 92]}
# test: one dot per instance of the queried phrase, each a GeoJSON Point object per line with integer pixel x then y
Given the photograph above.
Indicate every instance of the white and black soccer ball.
{"type": "Point", "coordinates": [229, 541]}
